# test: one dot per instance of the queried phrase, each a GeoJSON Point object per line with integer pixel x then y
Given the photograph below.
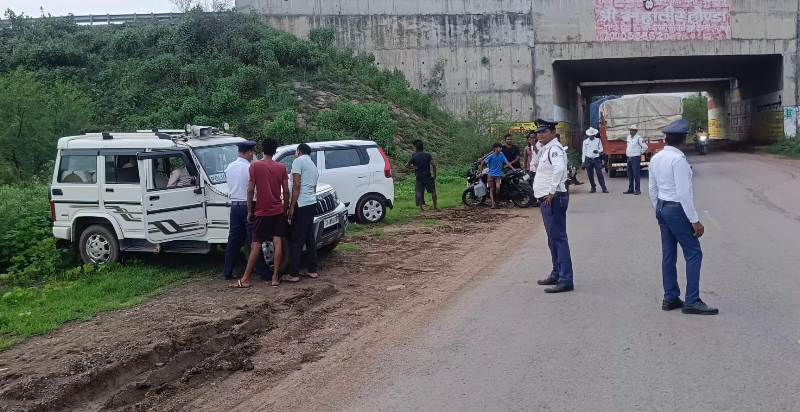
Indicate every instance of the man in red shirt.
{"type": "Point", "coordinates": [269, 182]}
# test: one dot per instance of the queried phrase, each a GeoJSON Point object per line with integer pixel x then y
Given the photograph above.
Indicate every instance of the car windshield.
{"type": "Point", "coordinates": [215, 159]}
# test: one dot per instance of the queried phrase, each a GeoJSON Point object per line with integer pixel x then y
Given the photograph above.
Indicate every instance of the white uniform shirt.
{"type": "Point", "coordinates": [636, 147]}
{"type": "Point", "coordinates": [238, 176]}
{"type": "Point", "coordinates": [589, 146]}
{"type": "Point", "coordinates": [551, 173]}
{"type": "Point", "coordinates": [670, 179]}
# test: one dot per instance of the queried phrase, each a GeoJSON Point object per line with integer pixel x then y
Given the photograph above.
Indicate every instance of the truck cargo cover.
{"type": "Point", "coordinates": [651, 112]}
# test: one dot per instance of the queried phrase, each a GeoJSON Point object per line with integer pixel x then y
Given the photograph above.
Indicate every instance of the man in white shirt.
{"type": "Point", "coordinates": [549, 189]}
{"type": "Point", "coordinates": [636, 148]}
{"type": "Point", "coordinates": [590, 158]}
{"type": "Point", "coordinates": [673, 199]}
{"type": "Point", "coordinates": [237, 175]}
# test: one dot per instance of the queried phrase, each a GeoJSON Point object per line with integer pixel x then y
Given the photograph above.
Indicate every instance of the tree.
{"type": "Point", "coordinates": [695, 111]}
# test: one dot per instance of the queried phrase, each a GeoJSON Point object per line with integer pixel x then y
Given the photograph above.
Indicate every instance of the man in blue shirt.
{"type": "Point", "coordinates": [495, 161]}
{"type": "Point", "coordinates": [301, 211]}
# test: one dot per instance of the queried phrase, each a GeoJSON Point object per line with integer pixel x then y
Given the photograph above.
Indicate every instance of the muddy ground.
{"type": "Point", "coordinates": [206, 346]}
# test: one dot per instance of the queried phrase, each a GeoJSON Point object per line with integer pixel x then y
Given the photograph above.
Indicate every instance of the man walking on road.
{"type": "Point", "coordinates": [301, 211]}
{"type": "Point", "coordinates": [549, 189]}
{"type": "Point", "coordinates": [673, 199]}
{"type": "Point", "coordinates": [425, 169]}
{"type": "Point", "coordinates": [268, 214]}
{"type": "Point", "coordinates": [636, 147]}
{"type": "Point", "coordinates": [237, 175]}
{"type": "Point", "coordinates": [590, 158]}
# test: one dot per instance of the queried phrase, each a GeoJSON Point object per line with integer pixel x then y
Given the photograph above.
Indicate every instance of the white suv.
{"type": "Point", "coordinates": [359, 171]}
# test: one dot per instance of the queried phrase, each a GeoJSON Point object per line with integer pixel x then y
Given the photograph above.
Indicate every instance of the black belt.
{"type": "Point", "coordinates": [240, 203]}
{"type": "Point", "coordinates": [669, 203]}
{"type": "Point", "coordinates": [556, 194]}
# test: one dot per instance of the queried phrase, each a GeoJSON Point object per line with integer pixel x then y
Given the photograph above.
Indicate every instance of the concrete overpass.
{"type": "Point", "coordinates": [547, 58]}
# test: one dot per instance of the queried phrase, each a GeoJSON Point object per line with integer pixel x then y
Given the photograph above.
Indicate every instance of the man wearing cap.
{"type": "Point", "coordinates": [549, 189]}
{"type": "Point", "coordinates": [636, 147]}
{"type": "Point", "coordinates": [590, 158]}
{"type": "Point", "coordinates": [237, 174]}
{"type": "Point", "coordinates": [671, 194]}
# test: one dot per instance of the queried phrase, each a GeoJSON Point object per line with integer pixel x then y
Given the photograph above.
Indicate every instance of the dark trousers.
{"type": "Point", "coordinates": [240, 233]}
{"type": "Point", "coordinates": [303, 234]}
{"type": "Point", "coordinates": [595, 166]}
{"type": "Point", "coordinates": [634, 173]}
{"type": "Point", "coordinates": [676, 229]}
{"type": "Point", "coordinates": [555, 225]}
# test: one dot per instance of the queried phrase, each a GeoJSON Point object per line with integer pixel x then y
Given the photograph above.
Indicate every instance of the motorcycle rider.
{"type": "Point", "coordinates": [495, 161]}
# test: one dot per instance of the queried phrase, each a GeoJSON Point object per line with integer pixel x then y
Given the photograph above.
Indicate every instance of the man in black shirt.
{"type": "Point", "coordinates": [511, 151]}
{"type": "Point", "coordinates": [422, 163]}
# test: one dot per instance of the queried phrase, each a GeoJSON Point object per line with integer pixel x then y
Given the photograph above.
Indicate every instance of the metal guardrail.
{"type": "Point", "coordinates": [108, 19]}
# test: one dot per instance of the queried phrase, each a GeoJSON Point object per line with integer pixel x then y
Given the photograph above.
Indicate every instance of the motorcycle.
{"type": "Point", "coordinates": [701, 143]}
{"type": "Point", "coordinates": [515, 187]}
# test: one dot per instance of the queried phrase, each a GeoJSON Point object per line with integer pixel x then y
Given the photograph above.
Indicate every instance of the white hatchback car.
{"type": "Point", "coordinates": [359, 170]}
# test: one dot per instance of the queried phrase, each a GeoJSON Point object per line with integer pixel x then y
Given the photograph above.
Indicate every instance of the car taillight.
{"type": "Point", "coordinates": [387, 167]}
{"type": "Point", "coordinates": [52, 211]}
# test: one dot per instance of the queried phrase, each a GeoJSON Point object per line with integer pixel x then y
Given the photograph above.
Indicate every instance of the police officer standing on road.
{"type": "Point", "coordinates": [673, 199]}
{"type": "Point", "coordinates": [636, 148]}
{"type": "Point", "coordinates": [590, 158]}
{"type": "Point", "coordinates": [237, 174]}
{"type": "Point", "coordinates": [549, 189]}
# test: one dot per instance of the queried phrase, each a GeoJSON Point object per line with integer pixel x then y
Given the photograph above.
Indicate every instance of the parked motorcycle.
{"type": "Point", "coordinates": [515, 187]}
{"type": "Point", "coordinates": [701, 143]}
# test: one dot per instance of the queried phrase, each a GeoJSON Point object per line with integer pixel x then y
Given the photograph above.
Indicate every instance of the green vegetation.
{"type": "Point", "coordinates": [786, 147]}
{"type": "Point", "coordinates": [695, 111]}
{"type": "Point", "coordinates": [58, 78]}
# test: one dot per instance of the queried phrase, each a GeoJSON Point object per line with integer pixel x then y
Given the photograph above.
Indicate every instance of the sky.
{"type": "Point", "coordinates": [80, 7]}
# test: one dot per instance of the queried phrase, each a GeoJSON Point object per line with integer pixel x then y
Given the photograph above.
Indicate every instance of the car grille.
{"type": "Point", "coordinates": [325, 204]}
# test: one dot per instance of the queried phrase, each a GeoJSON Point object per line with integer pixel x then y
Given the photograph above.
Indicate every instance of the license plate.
{"type": "Point", "coordinates": [526, 178]}
{"type": "Point", "coordinates": [331, 221]}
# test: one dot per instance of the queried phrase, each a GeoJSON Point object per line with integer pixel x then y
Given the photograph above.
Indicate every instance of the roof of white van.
{"type": "Point", "coordinates": [138, 141]}
{"type": "Point", "coordinates": [332, 143]}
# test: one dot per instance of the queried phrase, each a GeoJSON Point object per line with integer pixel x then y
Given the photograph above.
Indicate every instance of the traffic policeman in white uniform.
{"type": "Point", "coordinates": [636, 148]}
{"type": "Point", "coordinates": [237, 175]}
{"type": "Point", "coordinates": [590, 158]}
{"type": "Point", "coordinates": [549, 189]}
{"type": "Point", "coordinates": [673, 199]}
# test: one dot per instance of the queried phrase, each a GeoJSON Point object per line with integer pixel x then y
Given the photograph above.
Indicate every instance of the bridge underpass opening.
{"type": "Point", "coordinates": [745, 92]}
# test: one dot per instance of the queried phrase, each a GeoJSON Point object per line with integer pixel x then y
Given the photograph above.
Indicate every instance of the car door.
{"type": "Point", "coordinates": [347, 170]}
{"type": "Point", "coordinates": [121, 190]}
{"type": "Point", "coordinates": [173, 200]}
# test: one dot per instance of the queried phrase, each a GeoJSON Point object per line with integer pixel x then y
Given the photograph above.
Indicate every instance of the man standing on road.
{"type": "Point", "coordinates": [240, 231]}
{"type": "Point", "coordinates": [636, 148]}
{"type": "Point", "coordinates": [495, 161]}
{"type": "Point", "coordinates": [511, 151]}
{"type": "Point", "coordinates": [425, 169]}
{"type": "Point", "coordinates": [549, 189]}
{"type": "Point", "coordinates": [530, 153]}
{"type": "Point", "coordinates": [590, 158]}
{"type": "Point", "coordinates": [268, 214]}
{"type": "Point", "coordinates": [301, 211]}
{"type": "Point", "coordinates": [673, 199]}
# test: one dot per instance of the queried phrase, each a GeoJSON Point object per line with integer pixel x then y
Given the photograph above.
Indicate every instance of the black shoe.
{"type": "Point", "coordinates": [627, 192]}
{"type": "Point", "coordinates": [637, 193]}
{"type": "Point", "coordinates": [593, 190]}
{"type": "Point", "coordinates": [699, 308]}
{"type": "Point", "coordinates": [549, 281]}
{"type": "Point", "coordinates": [561, 287]}
{"type": "Point", "coordinates": [669, 305]}
{"type": "Point", "coordinates": [605, 190]}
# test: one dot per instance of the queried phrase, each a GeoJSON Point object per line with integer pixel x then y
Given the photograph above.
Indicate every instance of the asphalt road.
{"type": "Point", "coordinates": [505, 345]}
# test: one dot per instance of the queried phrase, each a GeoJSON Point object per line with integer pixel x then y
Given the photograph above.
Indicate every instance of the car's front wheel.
{"type": "Point", "coordinates": [99, 245]}
{"type": "Point", "coordinates": [371, 209]}
{"type": "Point", "coordinates": [268, 250]}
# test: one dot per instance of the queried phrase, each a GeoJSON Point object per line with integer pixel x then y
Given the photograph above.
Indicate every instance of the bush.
{"type": "Point", "coordinates": [787, 147]}
{"type": "Point", "coordinates": [284, 127]}
{"type": "Point", "coordinates": [363, 121]}
{"type": "Point", "coordinates": [323, 37]}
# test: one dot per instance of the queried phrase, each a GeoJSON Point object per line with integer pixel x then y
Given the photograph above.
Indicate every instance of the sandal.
{"type": "Point", "coordinates": [240, 285]}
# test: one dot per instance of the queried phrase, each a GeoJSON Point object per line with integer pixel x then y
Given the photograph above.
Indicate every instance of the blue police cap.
{"type": "Point", "coordinates": [677, 127]}
{"type": "Point", "coordinates": [542, 125]}
{"type": "Point", "coordinates": [247, 145]}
